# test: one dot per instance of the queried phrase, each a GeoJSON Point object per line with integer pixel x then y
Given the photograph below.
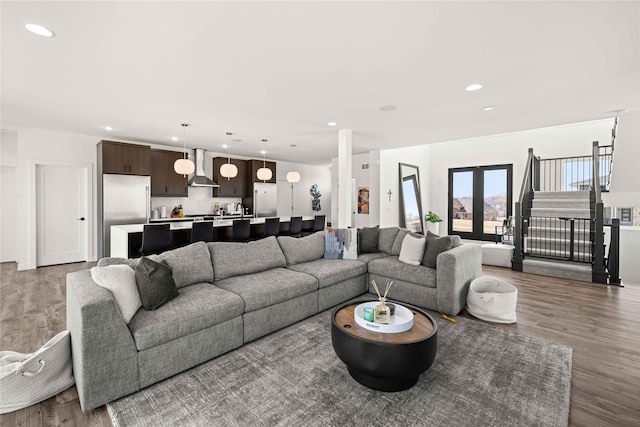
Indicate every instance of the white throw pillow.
{"type": "Point", "coordinates": [412, 250]}
{"type": "Point", "coordinates": [120, 280]}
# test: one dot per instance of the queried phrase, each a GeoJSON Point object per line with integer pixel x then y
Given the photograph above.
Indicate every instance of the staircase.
{"type": "Point", "coordinates": [558, 240]}
{"type": "Point", "coordinates": [559, 218]}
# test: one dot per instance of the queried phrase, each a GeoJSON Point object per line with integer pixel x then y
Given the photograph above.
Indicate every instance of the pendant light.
{"type": "Point", "coordinates": [264, 173]}
{"type": "Point", "coordinates": [184, 166]}
{"type": "Point", "coordinates": [229, 170]}
{"type": "Point", "coordinates": [293, 176]}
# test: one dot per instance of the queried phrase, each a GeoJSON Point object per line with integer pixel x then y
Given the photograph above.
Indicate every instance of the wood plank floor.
{"type": "Point", "coordinates": [601, 324]}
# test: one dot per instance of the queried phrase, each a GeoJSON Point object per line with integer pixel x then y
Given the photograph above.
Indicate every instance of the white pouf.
{"type": "Point", "coordinates": [492, 300]}
{"type": "Point", "coordinates": [497, 254]}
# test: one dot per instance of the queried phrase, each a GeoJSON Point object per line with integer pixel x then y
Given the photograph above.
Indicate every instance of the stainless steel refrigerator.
{"type": "Point", "coordinates": [125, 199]}
{"type": "Point", "coordinates": [265, 199]}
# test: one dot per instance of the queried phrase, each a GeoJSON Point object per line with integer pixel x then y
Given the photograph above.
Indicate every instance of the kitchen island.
{"type": "Point", "coordinates": [127, 238]}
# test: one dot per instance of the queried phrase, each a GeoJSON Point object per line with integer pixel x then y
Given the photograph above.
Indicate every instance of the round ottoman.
{"type": "Point", "coordinates": [492, 300]}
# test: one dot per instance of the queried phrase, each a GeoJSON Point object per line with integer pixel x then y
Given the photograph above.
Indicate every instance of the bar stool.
{"type": "Point", "coordinates": [155, 239]}
{"type": "Point", "coordinates": [295, 226]}
{"type": "Point", "coordinates": [202, 231]}
{"type": "Point", "coordinates": [271, 227]}
{"type": "Point", "coordinates": [241, 231]}
{"type": "Point", "coordinates": [318, 223]}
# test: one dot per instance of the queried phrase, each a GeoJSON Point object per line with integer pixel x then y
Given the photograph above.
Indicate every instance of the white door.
{"type": "Point", "coordinates": [61, 205]}
{"type": "Point", "coordinates": [8, 214]}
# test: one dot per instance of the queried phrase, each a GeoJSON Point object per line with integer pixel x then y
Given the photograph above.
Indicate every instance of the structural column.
{"type": "Point", "coordinates": [345, 198]}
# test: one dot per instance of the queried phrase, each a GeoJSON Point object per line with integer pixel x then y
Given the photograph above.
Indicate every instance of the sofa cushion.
{"type": "Point", "coordinates": [234, 259]}
{"type": "Point", "coordinates": [302, 249]}
{"type": "Point", "coordinates": [329, 272]}
{"type": "Point", "coordinates": [455, 241]}
{"type": "Point", "coordinates": [155, 283]}
{"type": "Point", "coordinates": [435, 245]}
{"type": "Point", "coordinates": [391, 267]}
{"type": "Point", "coordinates": [190, 264]}
{"type": "Point", "coordinates": [106, 262]}
{"type": "Point", "coordinates": [198, 307]}
{"type": "Point", "coordinates": [341, 243]}
{"type": "Point", "coordinates": [366, 258]}
{"type": "Point", "coordinates": [386, 237]}
{"type": "Point", "coordinates": [269, 287]}
{"type": "Point", "coordinates": [412, 250]}
{"type": "Point", "coordinates": [368, 240]}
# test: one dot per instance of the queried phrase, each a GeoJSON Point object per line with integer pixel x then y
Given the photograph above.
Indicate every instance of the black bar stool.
{"type": "Point", "coordinates": [202, 231]}
{"type": "Point", "coordinates": [271, 227]}
{"type": "Point", "coordinates": [318, 223]}
{"type": "Point", "coordinates": [241, 231]}
{"type": "Point", "coordinates": [155, 239]}
{"type": "Point", "coordinates": [295, 226]}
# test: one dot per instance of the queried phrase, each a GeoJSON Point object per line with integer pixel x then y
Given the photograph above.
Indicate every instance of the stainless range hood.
{"type": "Point", "coordinates": [199, 179]}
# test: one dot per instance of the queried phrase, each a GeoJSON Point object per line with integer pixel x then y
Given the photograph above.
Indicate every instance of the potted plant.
{"type": "Point", "coordinates": [433, 222]}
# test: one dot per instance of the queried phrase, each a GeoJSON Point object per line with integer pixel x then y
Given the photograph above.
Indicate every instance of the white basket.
{"type": "Point", "coordinates": [492, 300]}
{"type": "Point", "coordinates": [26, 379]}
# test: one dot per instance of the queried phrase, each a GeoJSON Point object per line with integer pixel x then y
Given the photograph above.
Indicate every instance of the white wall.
{"type": "Point", "coordinates": [560, 141]}
{"type": "Point", "coordinates": [309, 175]}
{"type": "Point", "coordinates": [389, 180]}
{"type": "Point", "coordinates": [368, 177]}
{"type": "Point", "coordinates": [625, 175]}
{"type": "Point", "coordinates": [8, 157]}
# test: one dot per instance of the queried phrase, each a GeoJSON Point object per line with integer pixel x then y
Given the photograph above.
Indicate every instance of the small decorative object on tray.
{"type": "Point", "coordinates": [382, 312]}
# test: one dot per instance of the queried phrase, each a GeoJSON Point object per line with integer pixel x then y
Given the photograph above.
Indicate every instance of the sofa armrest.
{"type": "Point", "coordinates": [455, 269]}
{"type": "Point", "coordinates": [105, 364]}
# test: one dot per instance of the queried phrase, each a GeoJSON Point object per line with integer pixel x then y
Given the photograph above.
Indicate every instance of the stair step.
{"type": "Point", "coordinates": [561, 213]}
{"type": "Point", "coordinates": [562, 195]}
{"type": "Point", "coordinates": [554, 268]}
{"type": "Point", "coordinates": [561, 203]}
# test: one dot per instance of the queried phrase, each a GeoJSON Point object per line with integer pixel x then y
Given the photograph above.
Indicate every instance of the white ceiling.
{"type": "Point", "coordinates": [282, 70]}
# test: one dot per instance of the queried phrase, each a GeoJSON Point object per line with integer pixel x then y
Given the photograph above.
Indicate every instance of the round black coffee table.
{"type": "Point", "coordinates": [385, 362]}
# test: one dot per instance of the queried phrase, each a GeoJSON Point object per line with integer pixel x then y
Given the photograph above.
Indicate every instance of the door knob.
{"type": "Point", "coordinates": [80, 219]}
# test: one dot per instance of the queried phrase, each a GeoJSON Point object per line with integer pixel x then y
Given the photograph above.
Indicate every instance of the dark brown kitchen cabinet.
{"type": "Point", "coordinates": [165, 182]}
{"type": "Point", "coordinates": [125, 159]}
{"type": "Point", "coordinates": [257, 164]}
{"type": "Point", "coordinates": [234, 187]}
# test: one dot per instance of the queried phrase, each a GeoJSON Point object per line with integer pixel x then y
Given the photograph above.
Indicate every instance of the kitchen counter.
{"type": "Point", "coordinates": [124, 238]}
{"type": "Point", "coordinates": [205, 217]}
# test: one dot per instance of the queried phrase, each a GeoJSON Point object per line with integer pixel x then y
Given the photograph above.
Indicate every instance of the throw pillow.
{"type": "Point", "coordinates": [455, 241]}
{"type": "Point", "coordinates": [341, 243]}
{"type": "Point", "coordinates": [120, 280]}
{"type": "Point", "coordinates": [435, 245]}
{"type": "Point", "coordinates": [397, 243]}
{"type": "Point", "coordinates": [155, 283]}
{"type": "Point", "coordinates": [368, 239]}
{"type": "Point", "coordinates": [412, 250]}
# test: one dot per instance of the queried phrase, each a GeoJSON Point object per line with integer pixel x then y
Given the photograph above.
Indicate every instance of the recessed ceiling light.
{"type": "Point", "coordinates": [331, 124]}
{"type": "Point", "coordinates": [388, 108]}
{"type": "Point", "coordinates": [39, 30]}
{"type": "Point", "coordinates": [108, 128]}
{"type": "Point", "coordinates": [263, 152]}
{"type": "Point", "coordinates": [225, 146]}
{"type": "Point", "coordinates": [174, 138]}
{"type": "Point", "coordinates": [488, 108]}
{"type": "Point", "coordinates": [473, 87]}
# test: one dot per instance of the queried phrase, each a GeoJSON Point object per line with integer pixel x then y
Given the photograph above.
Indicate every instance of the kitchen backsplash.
{"type": "Point", "coordinates": [198, 202]}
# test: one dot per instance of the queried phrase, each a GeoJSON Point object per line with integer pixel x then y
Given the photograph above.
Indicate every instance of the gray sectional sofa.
{"type": "Point", "coordinates": [234, 293]}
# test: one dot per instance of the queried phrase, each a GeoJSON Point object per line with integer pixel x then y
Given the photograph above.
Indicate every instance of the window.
{"type": "Point", "coordinates": [479, 200]}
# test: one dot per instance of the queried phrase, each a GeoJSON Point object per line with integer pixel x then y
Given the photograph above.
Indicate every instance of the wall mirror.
{"type": "Point", "coordinates": [410, 205]}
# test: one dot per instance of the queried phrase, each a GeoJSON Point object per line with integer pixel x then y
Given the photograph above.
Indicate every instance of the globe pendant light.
{"type": "Point", "coordinates": [293, 176]}
{"type": "Point", "coordinates": [264, 173]}
{"type": "Point", "coordinates": [184, 166]}
{"type": "Point", "coordinates": [229, 170]}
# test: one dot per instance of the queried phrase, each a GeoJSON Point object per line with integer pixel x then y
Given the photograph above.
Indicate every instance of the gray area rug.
{"type": "Point", "coordinates": [482, 376]}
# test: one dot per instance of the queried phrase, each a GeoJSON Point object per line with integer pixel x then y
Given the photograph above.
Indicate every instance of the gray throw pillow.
{"type": "Point", "coordinates": [397, 243]}
{"type": "Point", "coordinates": [386, 238]}
{"type": "Point", "coordinates": [435, 245]}
{"type": "Point", "coordinates": [155, 283]}
{"type": "Point", "coordinates": [368, 239]}
{"type": "Point", "coordinates": [455, 241]}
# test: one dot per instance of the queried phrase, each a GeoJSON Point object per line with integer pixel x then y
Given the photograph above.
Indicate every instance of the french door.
{"type": "Point", "coordinates": [479, 200]}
